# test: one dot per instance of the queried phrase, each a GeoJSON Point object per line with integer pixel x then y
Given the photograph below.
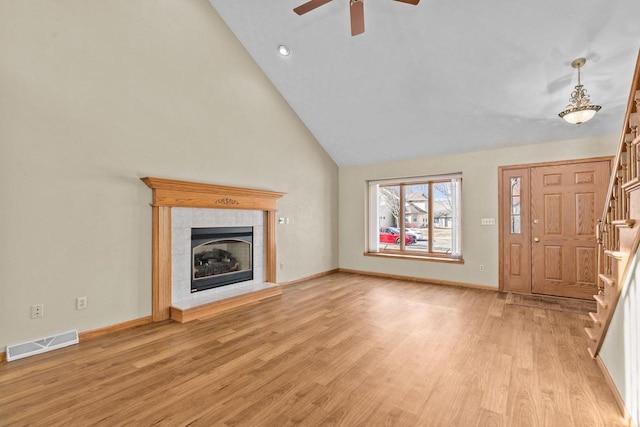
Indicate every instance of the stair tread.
{"type": "Point", "coordinates": [624, 223]}
{"type": "Point", "coordinates": [619, 255]}
{"type": "Point", "coordinates": [633, 183]}
{"type": "Point", "coordinates": [595, 319]}
{"type": "Point", "coordinates": [590, 334]}
{"type": "Point", "coordinates": [600, 301]}
{"type": "Point", "coordinates": [607, 278]}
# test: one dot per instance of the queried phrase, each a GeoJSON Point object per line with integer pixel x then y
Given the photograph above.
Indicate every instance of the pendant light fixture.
{"type": "Point", "coordinates": [579, 109]}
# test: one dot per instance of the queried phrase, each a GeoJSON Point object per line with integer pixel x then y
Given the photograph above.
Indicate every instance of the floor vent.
{"type": "Point", "coordinates": [18, 351]}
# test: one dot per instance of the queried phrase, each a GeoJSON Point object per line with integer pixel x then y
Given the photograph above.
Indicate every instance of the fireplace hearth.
{"type": "Point", "coordinates": [220, 256]}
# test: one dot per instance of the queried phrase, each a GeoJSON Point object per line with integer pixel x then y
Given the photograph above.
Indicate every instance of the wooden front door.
{"type": "Point", "coordinates": [548, 218]}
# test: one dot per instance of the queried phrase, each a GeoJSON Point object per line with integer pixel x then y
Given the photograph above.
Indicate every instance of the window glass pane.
{"type": "Point", "coordinates": [442, 216]}
{"type": "Point", "coordinates": [426, 213]}
{"type": "Point", "coordinates": [389, 217]}
{"type": "Point", "coordinates": [515, 224]}
{"type": "Point", "coordinates": [515, 205]}
{"type": "Point", "coordinates": [416, 212]}
{"type": "Point", "coordinates": [515, 186]}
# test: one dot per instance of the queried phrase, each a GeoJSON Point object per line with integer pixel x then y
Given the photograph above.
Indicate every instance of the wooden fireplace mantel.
{"type": "Point", "coordinates": [168, 193]}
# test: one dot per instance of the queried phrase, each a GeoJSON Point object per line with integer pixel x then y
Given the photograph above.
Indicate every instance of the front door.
{"type": "Point", "coordinates": [559, 205]}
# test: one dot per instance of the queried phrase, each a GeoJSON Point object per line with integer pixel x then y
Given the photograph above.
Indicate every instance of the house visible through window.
{"type": "Point", "coordinates": [416, 216]}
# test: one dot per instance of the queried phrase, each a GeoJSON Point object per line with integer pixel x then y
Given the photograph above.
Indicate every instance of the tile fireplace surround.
{"type": "Point", "coordinates": [183, 220]}
{"type": "Point", "coordinates": [180, 205]}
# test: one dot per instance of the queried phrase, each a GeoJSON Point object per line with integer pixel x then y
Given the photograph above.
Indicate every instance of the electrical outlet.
{"type": "Point", "coordinates": [281, 265]}
{"type": "Point", "coordinates": [481, 267]}
{"type": "Point", "coordinates": [81, 303]}
{"type": "Point", "coordinates": [37, 311]}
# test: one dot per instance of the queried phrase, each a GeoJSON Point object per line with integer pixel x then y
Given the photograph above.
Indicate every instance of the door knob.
{"type": "Point", "coordinates": [535, 239]}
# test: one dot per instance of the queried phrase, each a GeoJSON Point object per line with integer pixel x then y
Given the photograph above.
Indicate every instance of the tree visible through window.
{"type": "Point", "coordinates": [417, 217]}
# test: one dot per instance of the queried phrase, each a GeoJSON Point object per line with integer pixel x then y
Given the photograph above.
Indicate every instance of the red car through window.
{"type": "Point", "coordinates": [392, 235]}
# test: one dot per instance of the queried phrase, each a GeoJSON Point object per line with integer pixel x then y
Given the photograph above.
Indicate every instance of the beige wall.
{"type": "Point", "coordinates": [480, 200]}
{"type": "Point", "coordinates": [95, 95]}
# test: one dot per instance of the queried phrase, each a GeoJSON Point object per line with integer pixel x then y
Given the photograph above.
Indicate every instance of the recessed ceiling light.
{"type": "Point", "coordinates": [283, 50]}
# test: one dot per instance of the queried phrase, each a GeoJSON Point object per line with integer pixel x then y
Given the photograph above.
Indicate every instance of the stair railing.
{"type": "Point", "coordinates": [625, 178]}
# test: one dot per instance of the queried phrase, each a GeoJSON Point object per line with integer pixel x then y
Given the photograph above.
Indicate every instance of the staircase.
{"type": "Point", "coordinates": [618, 231]}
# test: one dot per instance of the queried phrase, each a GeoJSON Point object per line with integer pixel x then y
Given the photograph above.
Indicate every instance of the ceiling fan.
{"type": "Point", "coordinates": [356, 8]}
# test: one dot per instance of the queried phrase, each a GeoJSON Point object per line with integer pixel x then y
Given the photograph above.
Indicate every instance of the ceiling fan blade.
{"type": "Point", "coordinates": [413, 2]}
{"type": "Point", "coordinates": [309, 6]}
{"type": "Point", "coordinates": [357, 17]}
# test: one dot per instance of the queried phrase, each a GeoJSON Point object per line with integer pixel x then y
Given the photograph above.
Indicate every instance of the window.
{"type": "Point", "coordinates": [515, 205]}
{"type": "Point", "coordinates": [416, 217]}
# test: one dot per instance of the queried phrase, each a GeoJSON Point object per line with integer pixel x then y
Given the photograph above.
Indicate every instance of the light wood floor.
{"type": "Point", "coordinates": [339, 350]}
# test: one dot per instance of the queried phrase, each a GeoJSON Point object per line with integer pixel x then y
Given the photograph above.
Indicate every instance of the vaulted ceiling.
{"type": "Point", "coordinates": [444, 76]}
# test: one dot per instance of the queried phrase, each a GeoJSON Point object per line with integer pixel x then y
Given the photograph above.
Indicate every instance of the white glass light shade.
{"type": "Point", "coordinates": [577, 116]}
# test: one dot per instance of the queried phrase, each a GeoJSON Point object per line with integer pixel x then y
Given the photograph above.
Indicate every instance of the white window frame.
{"type": "Point", "coordinates": [373, 221]}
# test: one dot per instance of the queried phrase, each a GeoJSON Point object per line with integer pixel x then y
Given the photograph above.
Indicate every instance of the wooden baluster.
{"type": "Point", "coordinates": [612, 228]}
{"type": "Point", "coordinates": [600, 263]}
{"type": "Point", "coordinates": [609, 239]}
{"type": "Point", "coordinates": [631, 157]}
{"type": "Point", "coordinates": [612, 205]}
{"type": "Point", "coordinates": [634, 122]}
{"type": "Point", "coordinates": [619, 211]}
{"type": "Point", "coordinates": [607, 242]}
{"type": "Point", "coordinates": [624, 212]}
{"type": "Point", "coordinates": [620, 196]}
{"type": "Point", "coordinates": [634, 150]}
{"type": "Point", "coordinates": [612, 233]}
{"type": "Point", "coordinates": [625, 204]}
{"type": "Point", "coordinates": [624, 166]}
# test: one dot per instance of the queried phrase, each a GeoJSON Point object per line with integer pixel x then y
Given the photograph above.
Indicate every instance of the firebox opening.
{"type": "Point", "coordinates": [220, 256]}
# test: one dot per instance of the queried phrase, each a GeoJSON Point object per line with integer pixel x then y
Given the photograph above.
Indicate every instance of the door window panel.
{"type": "Point", "coordinates": [515, 205]}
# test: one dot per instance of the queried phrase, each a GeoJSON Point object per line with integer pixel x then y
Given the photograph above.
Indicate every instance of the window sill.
{"type": "Point", "coordinates": [415, 257]}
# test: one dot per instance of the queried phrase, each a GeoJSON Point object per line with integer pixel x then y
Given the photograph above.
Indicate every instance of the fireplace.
{"type": "Point", "coordinates": [220, 256]}
{"type": "Point", "coordinates": [171, 265]}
